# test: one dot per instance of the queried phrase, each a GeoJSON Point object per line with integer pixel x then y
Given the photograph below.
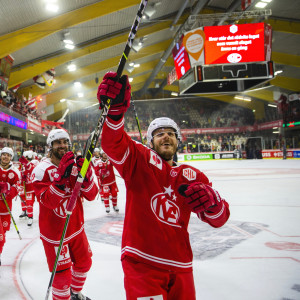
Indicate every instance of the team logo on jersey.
{"type": "Point", "coordinates": [155, 160]}
{"type": "Point", "coordinates": [51, 174]}
{"type": "Point", "coordinates": [11, 175]}
{"type": "Point", "coordinates": [5, 224]}
{"type": "Point", "coordinates": [60, 211]}
{"type": "Point", "coordinates": [189, 174]}
{"type": "Point", "coordinates": [164, 207]}
{"type": "Point", "coordinates": [64, 256]}
{"type": "Point", "coordinates": [173, 173]}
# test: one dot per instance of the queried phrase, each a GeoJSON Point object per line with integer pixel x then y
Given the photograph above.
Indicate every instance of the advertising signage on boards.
{"type": "Point", "coordinates": [237, 43]}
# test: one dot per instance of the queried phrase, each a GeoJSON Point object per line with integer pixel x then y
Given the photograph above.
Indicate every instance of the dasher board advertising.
{"type": "Point", "coordinates": [237, 43]}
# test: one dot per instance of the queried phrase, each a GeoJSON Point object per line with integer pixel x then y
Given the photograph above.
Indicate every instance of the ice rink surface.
{"type": "Point", "coordinates": [255, 255]}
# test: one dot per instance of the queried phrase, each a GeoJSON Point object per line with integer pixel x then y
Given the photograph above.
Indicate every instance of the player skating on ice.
{"type": "Point", "coordinates": [108, 185]}
{"type": "Point", "coordinates": [27, 195]}
{"type": "Point", "coordinates": [156, 251]}
{"type": "Point", "coordinates": [10, 179]}
{"type": "Point", "coordinates": [54, 180]}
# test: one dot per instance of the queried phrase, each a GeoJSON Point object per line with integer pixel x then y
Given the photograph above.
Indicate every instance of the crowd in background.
{"type": "Point", "coordinates": [187, 113]}
{"type": "Point", "coordinates": [18, 104]}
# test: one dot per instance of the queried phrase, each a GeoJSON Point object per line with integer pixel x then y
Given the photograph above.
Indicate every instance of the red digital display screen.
{"type": "Point", "coordinates": [234, 43]}
{"type": "Point", "coordinates": [181, 59]}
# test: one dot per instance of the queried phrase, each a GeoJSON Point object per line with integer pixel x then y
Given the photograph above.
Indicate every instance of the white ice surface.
{"type": "Point", "coordinates": [264, 193]}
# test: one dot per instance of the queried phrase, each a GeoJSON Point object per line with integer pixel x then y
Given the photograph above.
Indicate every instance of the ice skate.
{"type": "Point", "coordinates": [116, 208]}
{"type": "Point", "coordinates": [29, 222]}
{"type": "Point", "coordinates": [107, 209]}
{"type": "Point", "coordinates": [23, 215]}
{"type": "Point", "coordinates": [78, 296]}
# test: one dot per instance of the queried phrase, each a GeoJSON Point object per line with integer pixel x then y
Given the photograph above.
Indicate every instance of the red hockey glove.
{"type": "Point", "coordinates": [89, 173]}
{"type": "Point", "coordinates": [4, 188]}
{"type": "Point", "coordinates": [23, 161]}
{"type": "Point", "coordinates": [200, 197]}
{"type": "Point", "coordinates": [64, 169]}
{"type": "Point", "coordinates": [119, 91]}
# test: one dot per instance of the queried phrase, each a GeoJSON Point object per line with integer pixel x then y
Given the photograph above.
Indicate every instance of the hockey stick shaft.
{"type": "Point", "coordinates": [9, 211]}
{"type": "Point", "coordinates": [57, 257]}
{"type": "Point", "coordinates": [95, 137]}
{"type": "Point", "coordinates": [137, 121]}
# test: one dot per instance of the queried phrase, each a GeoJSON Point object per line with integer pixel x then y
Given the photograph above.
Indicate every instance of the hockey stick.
{"type": "Point", "coordinates": [94, 137]}
{"type": "Point", "coordinates": [137, 121]}
{"type": "Point", "coordinates": [11, 216]}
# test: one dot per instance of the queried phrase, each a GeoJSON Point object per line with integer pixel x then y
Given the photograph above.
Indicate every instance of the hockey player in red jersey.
{"type": "Point", "coordinates": [156, 251]}
{"type": "Point", "coordinates": [27, 195]}
{"type": "Point", "coordinates": [95, 163]}
{"type": "Point", "coordinates": [108, 185]}
{"type": "Point", "coordinates": [54, 179]}
{"type": "Point", "coordinates": [9, 184]}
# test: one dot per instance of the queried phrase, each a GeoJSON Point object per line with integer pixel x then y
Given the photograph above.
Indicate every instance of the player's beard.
{"type": "Point", "coordinates": [166, 155]}
{"type": "Point", "coordinates": [55, 152]}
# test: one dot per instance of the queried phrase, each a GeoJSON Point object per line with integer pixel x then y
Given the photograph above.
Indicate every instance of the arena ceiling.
{"type": "Point", "coordinates": [33, 37]}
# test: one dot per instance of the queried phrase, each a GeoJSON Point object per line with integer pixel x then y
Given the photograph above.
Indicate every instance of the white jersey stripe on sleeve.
{"type": "Point", "coordinates": [114, 126]}
{"type": "Point", "coordinates": [122, 160]}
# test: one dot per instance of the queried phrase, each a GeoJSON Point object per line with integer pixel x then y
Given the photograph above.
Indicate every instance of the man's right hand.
{"type": "Point", "coordinates": [119, 91]}
{"type": "Point", "coordinates": [64, 169]}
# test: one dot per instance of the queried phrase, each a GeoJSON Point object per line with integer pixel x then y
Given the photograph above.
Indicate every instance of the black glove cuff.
{"type": "Point", "coordinates": [115, 117]}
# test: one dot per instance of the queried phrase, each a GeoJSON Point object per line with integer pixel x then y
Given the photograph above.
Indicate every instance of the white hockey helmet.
{"type": "Point", "coordinates": [162, 122]}
{"type": "Point", "coordinates": [28, 154]}
{"type": "Point", "coordinates": [57, 134]}
{"type": "Point", "coordinates": [96, 150]}
{"type": "Point", "coordinates": [8, 150]}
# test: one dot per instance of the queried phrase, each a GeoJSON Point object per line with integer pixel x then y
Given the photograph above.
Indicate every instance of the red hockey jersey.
{"type": "Point", "coordinates": [13, 176]}
{"type": "Point", "coordinates": [27, 172]}
{"type": "Point", "coordinates": [53, 202]}
{"type": "Point", "coordinates": [156, 216]}
{"type": "Point", "coordinates": [105, 171]}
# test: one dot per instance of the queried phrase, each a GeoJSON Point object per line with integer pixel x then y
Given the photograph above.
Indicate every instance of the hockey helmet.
{"type": "Point", "coordinates": [96, 150]}
{"type": "Point", "coordinates": [57, 134]}
{"type": "Point", "coordinates": [162, 122]}
{"type": "Point", "coordinates": [28, 154]}
{"type": "Point", "coordinates": [8, 150]}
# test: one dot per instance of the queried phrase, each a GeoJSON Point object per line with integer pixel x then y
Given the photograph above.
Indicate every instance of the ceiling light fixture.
{"type": "Point", "coordinates": [77, 84]}
{"type": "Point", "coordinates": [244, 98]}
{"type": "Point", "coordinates": [261, 4]}
{"type": "Point", "coordinates": [71, 67]}
{"type": "Point", "coordinates": [137, 45]}
{"type": "Point", "coordinates": [51, 5]}
{"type": "Point", "coordinates": [68, 43]}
